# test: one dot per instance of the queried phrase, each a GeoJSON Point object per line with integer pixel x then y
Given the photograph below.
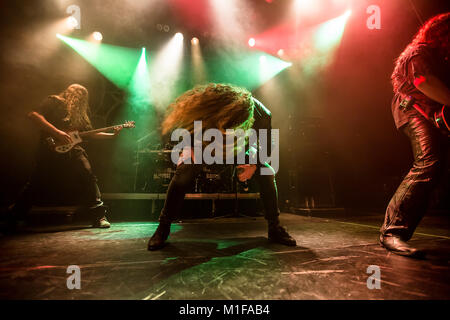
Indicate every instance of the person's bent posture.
{"type": "Point", "coordinates": [220, 107]}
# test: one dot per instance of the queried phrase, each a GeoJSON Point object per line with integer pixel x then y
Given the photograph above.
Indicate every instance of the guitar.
{"type": "Point", "coordinates": [440, 119]}
{"type": "Point", "coordinates": [77, 137]}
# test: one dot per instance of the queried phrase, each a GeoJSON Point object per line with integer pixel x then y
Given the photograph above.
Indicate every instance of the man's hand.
{"type": "Point", "coordinates": [62, 137]}
{"type": "Point", "coordinates": [245, 171]}
{"type": "Point", "coordinates": [117, 130]}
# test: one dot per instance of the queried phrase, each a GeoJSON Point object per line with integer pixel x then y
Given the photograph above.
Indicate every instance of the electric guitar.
{"type": "Point", "coordinates": [77, 137]}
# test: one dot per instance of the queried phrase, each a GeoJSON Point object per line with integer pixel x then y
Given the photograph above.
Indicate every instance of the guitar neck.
{"type": "Point", "coordinates": [85, 133]}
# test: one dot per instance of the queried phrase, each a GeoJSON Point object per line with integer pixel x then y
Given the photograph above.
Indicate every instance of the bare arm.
{"type": "Point", "coordinates": [106, 135]}
{"type": "Point", "coordinates": [46, 126]}
{"type": "Point", "coordinates": [433, 88]}
{"type": "Point", "coordinates": [102, 136]}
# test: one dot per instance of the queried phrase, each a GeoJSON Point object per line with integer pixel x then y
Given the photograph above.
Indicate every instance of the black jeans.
{"type": "Point", "coordinates": [410, 202]}
{"type": "Point", "coordinates": [61, 179]}
{"type": "Point", "coordinates": [184, 178]}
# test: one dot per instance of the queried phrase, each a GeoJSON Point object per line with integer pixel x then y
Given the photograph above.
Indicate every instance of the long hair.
{"type": "Point", "coordinates": [77, 101]}
{"type": "Point", "coordinates": [220, 106]}
{"type": "Point", "coordinates": [433, 34]}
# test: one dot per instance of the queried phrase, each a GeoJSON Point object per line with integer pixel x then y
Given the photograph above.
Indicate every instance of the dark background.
{"type": "Point", "coordinates": [338, 140]}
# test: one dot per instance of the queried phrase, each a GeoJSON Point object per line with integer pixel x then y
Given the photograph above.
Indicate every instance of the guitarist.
{"type": "Point", "coordinates": [68, 175]}
{"type": "Point", "coordinates": [422, 76]}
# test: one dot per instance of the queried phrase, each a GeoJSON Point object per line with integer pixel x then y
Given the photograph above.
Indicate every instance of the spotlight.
{"type": "Point", "coordinates": [72, 22]}
{"type": "Point", "coordinates": [262, 59]}
{"type": "Point", "coordinates": [179, 36]}
{"type": "Point", "coordinates": [251, 42]}
{"type": "Point", "coordinates": [194, 41]}
{"type": "Point", "coordinates": [97, 36]}
{"type": "Point", "coordinates": [305, 6]}
{"type": "Point", "coordinates": [280, 52]}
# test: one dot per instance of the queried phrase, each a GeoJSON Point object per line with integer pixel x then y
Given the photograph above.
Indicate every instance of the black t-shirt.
{"type": "Point", "coordinates": [54, 109]}
{"type": "Point", "coordinates": [420, 61]}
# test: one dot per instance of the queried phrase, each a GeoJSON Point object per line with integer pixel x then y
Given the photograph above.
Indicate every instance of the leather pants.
{"type": "Point", "coordinates": [61, 180]}
{"type": "Point", "coordinates": [410, 202]}
{"type": "Point", "coordinates": [184, 178]}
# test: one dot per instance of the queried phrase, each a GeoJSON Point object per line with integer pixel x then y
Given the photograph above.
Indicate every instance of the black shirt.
{"type": "Point", "coordinates": [54, 109]}
{"type": "Point", "coordinates": [420, 61]}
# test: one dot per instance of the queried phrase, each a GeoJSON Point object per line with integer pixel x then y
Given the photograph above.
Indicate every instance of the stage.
{"type": "Point", "coordinates": [226, 258]}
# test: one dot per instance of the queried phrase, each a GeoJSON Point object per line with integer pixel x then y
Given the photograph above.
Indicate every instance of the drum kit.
{"type": "Point", "coordinates": [154, 170]}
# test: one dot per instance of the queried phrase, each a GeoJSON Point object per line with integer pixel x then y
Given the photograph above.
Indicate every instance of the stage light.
{"type": "Point", "coordinates": [179, 36]}
{"type": "Point", "coordinates": [249, 68]}
{"type": "Point", "coordinates": [251, 42]}
{"type": "Point", "coordinates": [97, 36]}
{"type": "Point", "coordinates": [280, 52]}
{"type": "Point", "coordinates": [198, 63]}
{"type": "Point", "coordinates": [194, 41]}
{"type": "Point", "coordinates": [329, 34]}
{"type": "Point", "coordinates": [165, 71]}
{"type": "Point", "coordinates": [139, 88]}
{"type": "Point", "coordinates": [305, 6]}
{"type": "Point", "coordinates": [230, 18]}
{"type": "Point", "coordinates": [72, 22]}
{"type": "Point", "coordinates": [269, 66]}
{"type": "Point", "coordinates": [116, 63]}
{"type": "Point", "coordinates": [347, 14]}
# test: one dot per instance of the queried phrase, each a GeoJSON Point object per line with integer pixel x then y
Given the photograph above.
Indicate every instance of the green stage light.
{"type": "Point", "coordinates": [139, 88]}
{"type": "Point", "coordinates": [116, 63]}
{"type": "Point", "coordinates": [249, 69]}
{"type": "Point", "coordinates": [329, 34]}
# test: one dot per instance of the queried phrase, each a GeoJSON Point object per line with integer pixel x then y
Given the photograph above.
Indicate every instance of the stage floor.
{"type": "Point", "coordinates": [225, 258]}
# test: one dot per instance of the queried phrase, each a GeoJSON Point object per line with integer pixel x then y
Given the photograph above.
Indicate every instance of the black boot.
{"type": "Point", "coordinates": [396, 245]}
{"type": "Point", "coordinates": [279, 234]}
{"type": "Point", "coordinates": [157, 241]}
